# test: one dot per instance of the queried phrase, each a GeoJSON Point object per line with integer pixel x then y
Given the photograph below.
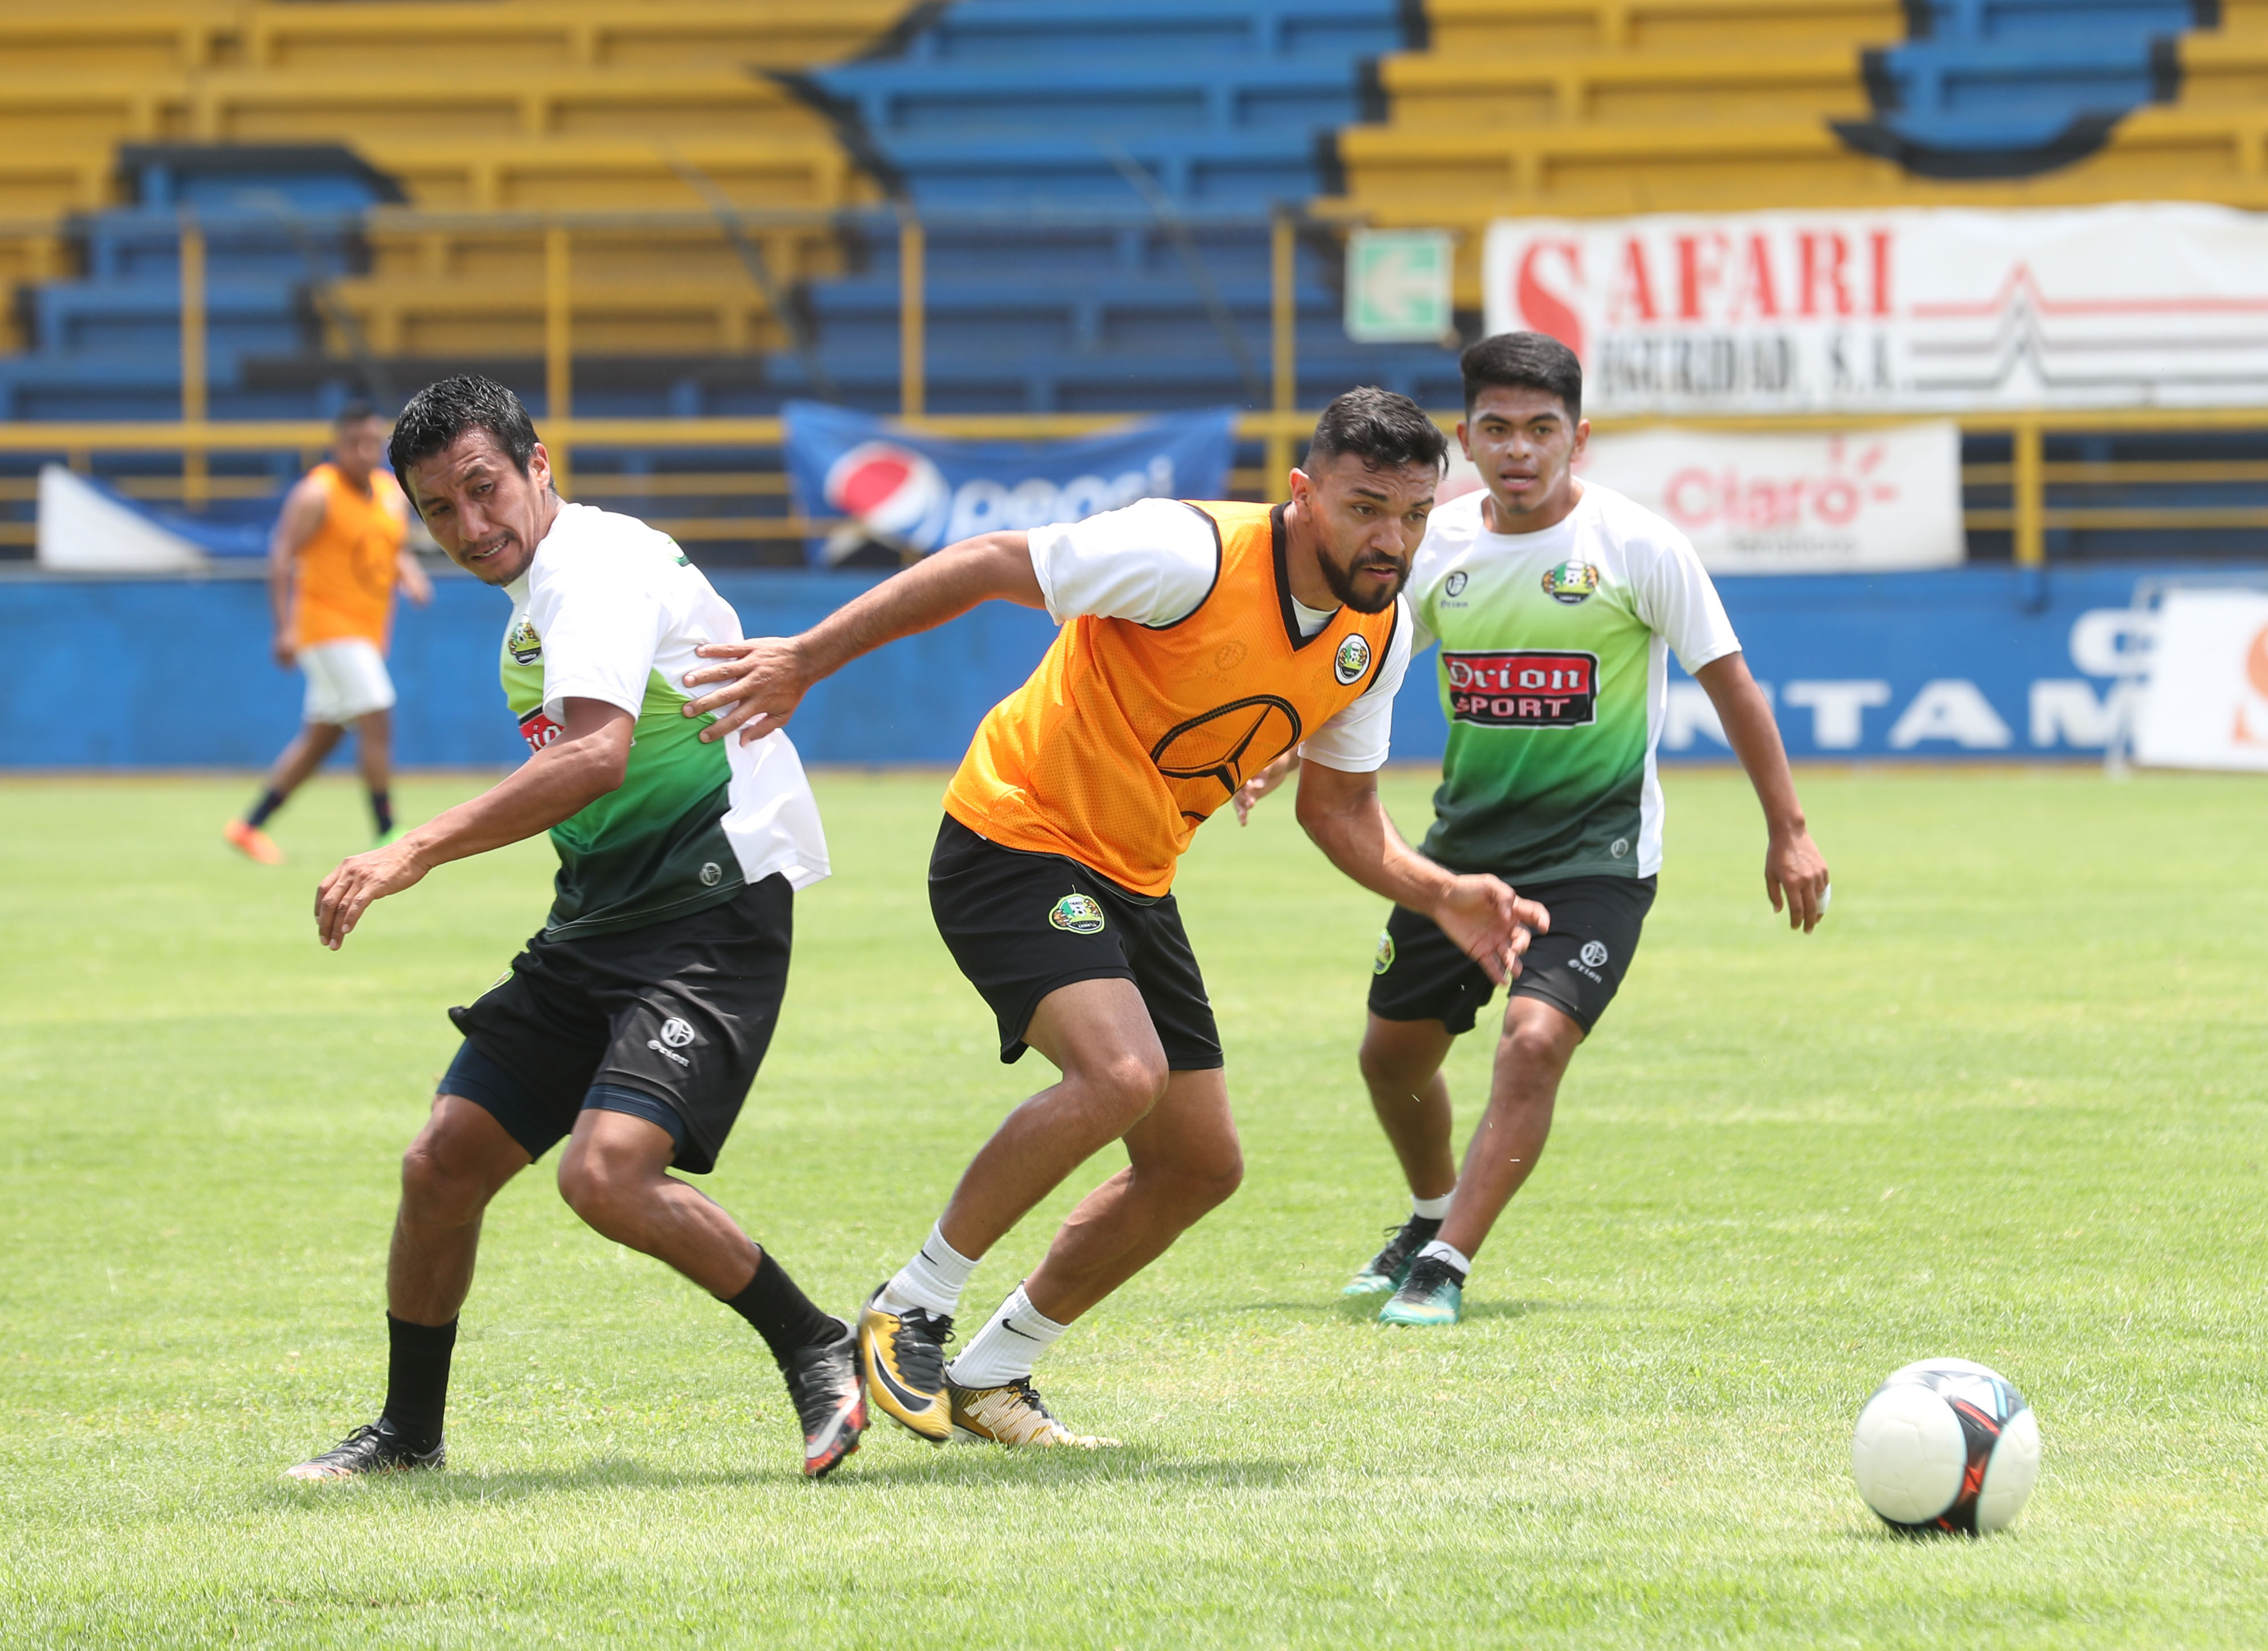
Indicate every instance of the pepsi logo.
{"type": "Point", "coordinates": [896, 494]}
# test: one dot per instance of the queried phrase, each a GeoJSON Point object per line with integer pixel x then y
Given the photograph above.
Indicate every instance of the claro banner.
{"type": "Point", "coordinates": [920, 493]}
{"type": "Point", "coordinates": [1917, 310]}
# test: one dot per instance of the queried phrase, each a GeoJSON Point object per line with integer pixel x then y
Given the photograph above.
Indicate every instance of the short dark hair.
{"type": "Point", "coordinates": [1383, 430]}
{"type": "Point", "coordinates": [440, 412]}
{"type": "Point", "coordinates": [353, 412]}
{"type": "Point", "coordinates": [1524, 361]}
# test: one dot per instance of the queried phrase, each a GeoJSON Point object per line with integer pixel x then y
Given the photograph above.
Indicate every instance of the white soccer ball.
{"type": "Point", "coordinates": [1946, 1445]}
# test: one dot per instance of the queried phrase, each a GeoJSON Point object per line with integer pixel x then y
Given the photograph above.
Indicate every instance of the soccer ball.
{"type": "Point", "coordinates": [1946, 1445]}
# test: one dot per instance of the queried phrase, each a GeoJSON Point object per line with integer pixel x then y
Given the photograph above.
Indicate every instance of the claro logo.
{"type": "Point", "coordinates": [1698, 498]}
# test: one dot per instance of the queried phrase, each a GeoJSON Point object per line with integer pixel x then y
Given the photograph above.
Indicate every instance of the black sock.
{"type": "Point", "coordinates": [270, 800]}
{"type": "Point", "coordinates": [381, 809]}
{"type": "Point", "coordinates": [417, 1380]}
{"type": "Point", "coordinates": [783, 1314]}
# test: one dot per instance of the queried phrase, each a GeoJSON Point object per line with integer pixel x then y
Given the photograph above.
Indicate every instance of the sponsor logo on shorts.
{"type": "Point", "coordinates": [1594, 954]}
{"type": "Point", "coordinates": [1523, 688]}
{"type": "Point", "coordinates": [1572, 582]}
{"type": "Point", "coordinates": [523, 644]}
{"type": "Point", "coordinates": [1385, 953]}
{"type": "Point", "coordinates": [1352, 659]}
{"type": "Point", "coordinates": [676, 1033]}
{"type": "Point", "coordinates": [1455, 582]}
{"type": "Point", "coordinates": [1077, 914]}
{"type": "Point", "coordinates": [711, 874]}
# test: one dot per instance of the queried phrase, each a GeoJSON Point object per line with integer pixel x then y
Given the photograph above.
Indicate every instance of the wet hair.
{"type": "Point", "coordinates": [440, 412]}
{"type": "Point", "coordinates": [1383, 430]}
{"type": "Point", "coordinates": [353, 412]}
{"type": "Point", "coordinates": [1523, 361]}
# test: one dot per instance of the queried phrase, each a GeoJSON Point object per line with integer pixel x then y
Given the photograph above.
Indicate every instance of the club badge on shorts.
{"type": "Point", "coordinates": [1385, 953]}
{"type": "Point", "coordinates": [1077, 914]}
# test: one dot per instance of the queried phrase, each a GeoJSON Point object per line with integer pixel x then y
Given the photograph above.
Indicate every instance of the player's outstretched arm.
{"type": "Point", "coordinates": [1341, 812]}
{"type": "Point", "coordinates": [586, 762]}
{"type": "Point", "coordinates": [1795, 872]}
{"type": "Point", "coordinates": [766, 679]}
{"type": "Point", "coordinates": [302, 515]}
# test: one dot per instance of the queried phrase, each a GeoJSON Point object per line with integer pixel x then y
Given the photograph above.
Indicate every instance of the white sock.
{"type": "Point", "coordinates": [1002, 1350]}
{"type": "Point", "coordinates": [933, 1280]}
{"type": "Point", "coordinates": [1449, 1254]}
{"type": "Point", "coordinates": [1432, 1208]}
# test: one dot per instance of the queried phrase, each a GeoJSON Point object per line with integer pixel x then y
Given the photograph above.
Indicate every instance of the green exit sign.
{"type": "Point", "coordinates": [1397, 285]}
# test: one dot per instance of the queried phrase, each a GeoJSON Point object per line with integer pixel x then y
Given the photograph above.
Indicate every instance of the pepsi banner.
{"type": "Point", "coordinates": [921, 493]}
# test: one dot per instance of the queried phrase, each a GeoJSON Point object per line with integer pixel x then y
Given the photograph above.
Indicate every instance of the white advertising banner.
{"type": "Point", "coordinates": [1918, 309]}
{"type": "Point", "coordinates": [1860, 501]}
{"type": "Point", "coordinates": [2204, 702]}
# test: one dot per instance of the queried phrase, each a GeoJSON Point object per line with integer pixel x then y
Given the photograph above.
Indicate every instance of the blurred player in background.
{"type": "Point", "coordinates": [1554, 600]}
{"type": "Point", "coordinates": [633, 1024]}
{"type": "Point", "coordinates": [337, 555]}
{"type": "Point", "coordinates": [1198, 642]}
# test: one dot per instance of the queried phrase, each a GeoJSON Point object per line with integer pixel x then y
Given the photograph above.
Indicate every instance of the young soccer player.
{"type": "Point", "coordinates": [633, 1024]}
{"type": "Point", "coordinates": [1198, 642]}
{"type": "Point", "coordinates": [1554, 601]}
{"type": "Point", "coordinates": [334, 561]}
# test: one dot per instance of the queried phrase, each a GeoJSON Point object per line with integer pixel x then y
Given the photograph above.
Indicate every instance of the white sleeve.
{"type": "Point", "coordinates": [1679, 603]}
{"type": "Point", "coordinates": [601, 622]}
{"type": "Point", "coordinates": [1152, 563]}
{"type": "Point", "coordinates": [1359, 739]}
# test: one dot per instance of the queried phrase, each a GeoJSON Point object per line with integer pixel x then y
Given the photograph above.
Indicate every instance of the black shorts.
{"type": "Point", "coordinates": [1020, 925]}
{"type": "Point", "coordinates": [1421, 974]}
{"type": "Point", "coordinates": [667, 1022]}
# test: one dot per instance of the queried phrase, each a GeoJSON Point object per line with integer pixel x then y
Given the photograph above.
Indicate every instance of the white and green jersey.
{"type": "Point", "coordinates": [610, 610]}
{"type": "Point", "coordinates": [1554, 677]}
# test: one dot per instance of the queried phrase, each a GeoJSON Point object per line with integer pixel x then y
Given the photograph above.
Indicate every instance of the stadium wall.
{"type": "Point", "coordinates": [1966, 664]}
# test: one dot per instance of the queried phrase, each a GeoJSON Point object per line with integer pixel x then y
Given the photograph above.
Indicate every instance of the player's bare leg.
{"type": "Point", "coordinates": [1531, 1058]}
{"type": "Point", "coordinates": [374, 755]}
{"type": "Point", "coordinates": [460, 1161]}
{"type": "Point", "coordinates": [1401, 1063]}
{"type": "Point", "coordinates": [1182, 1162]}
{"type": "Point", "coordinates": [1114, 1085]}
{"type": "Point", "coordinates": [613, 1175]}
{"type": "Point", "coordinates": [301, 758]}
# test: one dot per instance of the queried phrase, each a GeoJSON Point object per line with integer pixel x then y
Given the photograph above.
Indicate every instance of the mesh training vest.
{"type": "Point", "coordinates": [1129, 735]}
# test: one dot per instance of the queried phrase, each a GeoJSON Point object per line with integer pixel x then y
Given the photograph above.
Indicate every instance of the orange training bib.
{"type": "Point", "coordinates": [342, 585]}
{"type": "Point", "coordinates": [1128, 736]}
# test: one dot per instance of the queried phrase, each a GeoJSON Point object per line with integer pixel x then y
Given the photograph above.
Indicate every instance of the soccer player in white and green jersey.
{"type": "Point", "coordinates": [632, 1025]}
{"type": "Point", "coordinates": [1555, 602]}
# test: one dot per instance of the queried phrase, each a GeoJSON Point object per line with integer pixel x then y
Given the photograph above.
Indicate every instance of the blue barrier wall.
{"type": "Point", "coordinates": [1977, 663]}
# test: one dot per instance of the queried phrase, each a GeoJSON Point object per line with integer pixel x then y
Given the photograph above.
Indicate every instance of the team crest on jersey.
{"type": "Point", "coordinates": [1352, 660]}
{"type": "Point", "coordinates": [523, 644]}
{"type": "Point", "coordinates": [1572, 582]}
{"type": "Point", "coordinates": [1077, 914]}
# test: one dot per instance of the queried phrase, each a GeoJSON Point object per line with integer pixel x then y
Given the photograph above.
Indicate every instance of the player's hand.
{"type": "Point", "coordinates": [1490, 924]}
{"type": "Point", "coordinates": [347, 893]}
{"type": "Point", "coordinates": [286, 655]}
{"type": "Point", "coordinates": [1262, 783]}
{"type": "Point", "coordinates": [764, 681]}
{"type": "Point", "coordinates": [1795, 877]}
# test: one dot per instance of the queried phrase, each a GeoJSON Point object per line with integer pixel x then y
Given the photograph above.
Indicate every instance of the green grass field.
{"type": "Point", "coordinates": [2008, 1104]}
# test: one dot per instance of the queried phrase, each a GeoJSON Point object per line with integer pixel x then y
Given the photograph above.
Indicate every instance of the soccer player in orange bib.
{"type": "Point", "coordinates": [1199, 643]}
{"type": "Point", "coordinates": [334, 561]}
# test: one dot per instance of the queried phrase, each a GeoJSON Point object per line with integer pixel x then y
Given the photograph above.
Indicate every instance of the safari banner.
{"type": "Point", "coordinates": [1913, 310]}
{"type": "Point", "coordinates": [917, 492]}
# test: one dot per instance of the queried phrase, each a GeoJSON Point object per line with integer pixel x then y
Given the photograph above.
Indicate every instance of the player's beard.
{"type": "Point", "coordinates": [1341, 580]}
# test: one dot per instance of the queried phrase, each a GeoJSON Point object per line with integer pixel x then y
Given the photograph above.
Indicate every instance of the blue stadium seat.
{"type": "Point", "coordinates": [2008, 88]}
{"type": "Point", "coordinates": [1094, 175]}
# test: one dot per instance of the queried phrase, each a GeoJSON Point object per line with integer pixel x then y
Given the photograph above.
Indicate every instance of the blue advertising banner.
{"type": "Point", "coordinates": [1972, 663]}
{"type": "Point", "coordinates": [921, 493]}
